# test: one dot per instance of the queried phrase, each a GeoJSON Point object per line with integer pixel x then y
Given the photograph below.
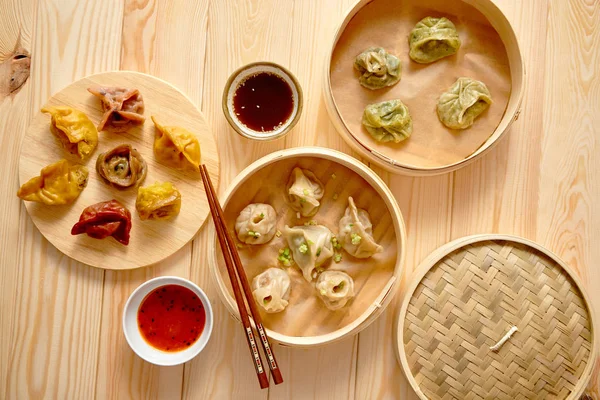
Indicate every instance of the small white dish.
{"type": "Point", "coordinates": [134, 336]}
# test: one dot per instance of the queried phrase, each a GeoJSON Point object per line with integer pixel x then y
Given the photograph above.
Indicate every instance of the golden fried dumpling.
{"type": "Point", "coordinates": [176, 147]}
{"type": "Point", "coordinates": [121, 105]}
{"type": "Point", "coordinates": [377, 68]}
{"type": "Point", "coordinates": [432, 39]}
{"type": "Point", "coordinates": [158, 201]}
{"type": "Point", "coordinates": [388, 121]}
{"type": "Point", "coordinates": [74, 130]}
{"type": "Point", "coordinates": [58, 183]}
{"type": "Point", "coordinates": [122, 166]}
{"type": "Point", "coordinates": [466, 99]}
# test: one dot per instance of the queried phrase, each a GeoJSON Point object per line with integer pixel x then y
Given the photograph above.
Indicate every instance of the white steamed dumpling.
{"type": "Point", "coordinates": [356, 232]}
{"type": "Point", "coordinates": [335, 288]}
{"type": "Point", "coordinates": [304, 191]}
{"type": "Point", "coordinates": [271, 290]}
{"type": "Point", "coordinates": [256, 224]}
{"type": "Point", "coordinates": [311, 247]}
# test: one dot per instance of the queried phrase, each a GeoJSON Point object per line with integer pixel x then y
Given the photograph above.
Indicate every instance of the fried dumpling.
{"type": "Point", "coordinates": [176, 147]}
{"type": "Point", "coordinates": [256, 223]}
{"type": "Point", "coordinates": [58, 183]}
{"type": "Point", "coordinates": [121, 105]}
{"type": "Point", "coordinates": [73, 128]}
{"type": "Point", "coordinates": [335, 288]}
{"type": "Point", "coordinates": [432, 39]}
{"type": "Point", "coordinates": [356, 232]}
{"type": "Point", "coordinates": [122, 166]}
{"type": "Point", "coordinates": [271, 290]}
{"type": "Point", "coordinates": [388, 121]}
{"type": "Point", "coordinates": [158, 201]}
{"type": "Point", "coordinates": [101, 220]}
{"type": "Point", "coordinates": [311, 247]}
{"type": "Point", "coordinates": [465, 100]}
{"type": "Point", "coordinates": [377, 68]}
{"type": "Point", "coordinates": [304, 191]}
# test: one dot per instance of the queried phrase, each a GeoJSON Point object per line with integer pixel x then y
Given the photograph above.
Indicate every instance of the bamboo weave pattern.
{"type": "Point", "coordinates": [470, 299]}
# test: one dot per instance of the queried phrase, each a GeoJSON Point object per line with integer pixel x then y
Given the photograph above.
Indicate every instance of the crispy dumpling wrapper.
{"type": "Point", "coordinates": [304, 190]}
{"type": "Point", "coordinates": [256, 223]}
{"type": "Point", "coordinates": [122, 166]}
{"type": "Point", "coordinates": [464, 101]}
{"type": "Point", "coordinates": [356, 232]}
{"type": "Point", "coordinates": [271, 290]}
{"type": "Point", "coordinates": [58, 183]}
{"type": "Point", "coordinates": [176, 147]}
{"type": "Point", "coordinates": [432, 39]}
{"type": "Point", "coordinates": [335, 288]}
{"type": "Point", "coordinates": [73, 128]}
{"type": "Point", "coordinates": [101, 220]}
{"type": "Point", "coordinates": [158, 201]}
{"type": "Point", "coordinates": [121, 105]}
{"type": "Point", "coordinates": [377, 68]}
{"type": "Point", "coordinates": [388, 121]}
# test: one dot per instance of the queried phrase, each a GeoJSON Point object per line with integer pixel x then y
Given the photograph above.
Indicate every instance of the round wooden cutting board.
{"type": "Point", "coordinates": [151, 241]}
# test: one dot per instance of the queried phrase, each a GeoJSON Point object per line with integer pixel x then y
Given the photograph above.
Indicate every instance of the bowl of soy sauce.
{"type": "Point", "coordinates": [262, 101]}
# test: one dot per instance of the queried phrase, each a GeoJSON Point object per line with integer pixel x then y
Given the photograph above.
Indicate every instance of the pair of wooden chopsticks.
{"type": "Point", "coordinates": [230, 253]}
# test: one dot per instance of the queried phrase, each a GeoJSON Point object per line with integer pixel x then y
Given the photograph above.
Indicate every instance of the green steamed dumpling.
{"type": "Point", "coordinates": [377, 68]}
{"type": "Point", "coordinates": [432, 39]}
{"type": "Point", "coordinates": [388, 121]}
{"type": "Point", "coordinates": [466, 99]}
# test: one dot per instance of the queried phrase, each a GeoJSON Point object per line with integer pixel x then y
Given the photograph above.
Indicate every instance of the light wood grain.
{"type": "Point", "coordinates": [60, 320]}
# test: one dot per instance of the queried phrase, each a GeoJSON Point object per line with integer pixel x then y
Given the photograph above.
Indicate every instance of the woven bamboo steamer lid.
{"type": "Point", "coordinates": [464, 299]}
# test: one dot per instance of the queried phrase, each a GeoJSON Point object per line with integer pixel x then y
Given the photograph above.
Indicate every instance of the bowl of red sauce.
{"type": "Point", "coordinates": [167, 320]}
{"type": "Point", "coordinates": [262, 101]}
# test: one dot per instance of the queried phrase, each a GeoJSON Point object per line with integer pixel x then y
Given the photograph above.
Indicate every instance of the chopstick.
{"type": "Point", "coordinates": [230, 252]}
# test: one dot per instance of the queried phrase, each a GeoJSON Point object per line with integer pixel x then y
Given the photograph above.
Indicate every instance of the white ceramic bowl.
{"type": "Point", "coordinates": [137, 342]}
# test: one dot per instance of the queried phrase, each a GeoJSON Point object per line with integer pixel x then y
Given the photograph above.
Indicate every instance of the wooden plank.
{"type": "Point", "coordinates": [55, 329]}
{"type": "Point", "coordinates": [151, 43]}
{"type": "Point", "coordinates": [568, 216]}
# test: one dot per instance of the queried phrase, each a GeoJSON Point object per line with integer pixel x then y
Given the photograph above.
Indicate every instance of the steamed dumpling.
{"type": "Point", "coordinates": [256, 223]}
{"type": "Point", "coordinates": [377, 68]}
{"type": "Point", "coordinates": [335, 288]}
{"type": "Point", "coordinates": [271, 290]}
{"type": "Point", "coordinates": [176, 147]}
{"type": "Point", "coordinates": [304, 191]}
{"type": "Point", "coordinates": [310, 245]}
{"type": "Point", "coordinates": [388, 121]}
{"type": "Point", "coordinates": [356, 232]}
{"type": "Point", "coordinates": [432, 39]}
{"type": "Point", "coordinates": [463, 102]}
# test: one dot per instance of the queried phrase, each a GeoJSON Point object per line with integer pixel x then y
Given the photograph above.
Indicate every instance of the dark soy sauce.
{"type": "Point", "coordinates": [263, 102]}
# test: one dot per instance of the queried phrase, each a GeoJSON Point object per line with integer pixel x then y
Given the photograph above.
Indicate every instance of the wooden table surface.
{"type": "Point", "coordinates": [60, 321]}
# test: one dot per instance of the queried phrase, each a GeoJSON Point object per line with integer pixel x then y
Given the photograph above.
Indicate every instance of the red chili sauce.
{"type": "Point", "coordinates": [263, 102]}
{"type": "Point", "coordinates": [171, 318]}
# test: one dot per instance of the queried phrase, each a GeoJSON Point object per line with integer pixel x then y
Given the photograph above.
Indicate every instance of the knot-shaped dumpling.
{"type": "Point", "coordinates": [304, 190]}
{"type": "Point", "coordinates": [432, 39]}
{"type": "Point", "coordinates": [388, 121]}
{"type": "Point", "coordinates": [335, 288]}
{"type": "Point", "coordinates": [271, 290]}
{"type": "Point", "coordinates": [58, 183]}
{"type": "Point", "coordinates": [73, 128]}
{"type": "Point", "coordinates": [377, 68]}
{"type": "Point", "coordinates": [121, 105]}
{"type": "Point", "coordinates": [101, 220]}
{"type": "Point", "coordinates": [122, 166]}
{"type": "Point", "coordinates": [463, 102]}
{"type": "Point", "coordinates": [311, 247]}
{"type": "Point", "coordinates": [256, 223]}
{"type": "Point", "coordinates": [158, 201]}
{"type": "Point", "coordinates": [176, 147]}
{"type": "Point", "coordinates": [356, 232]}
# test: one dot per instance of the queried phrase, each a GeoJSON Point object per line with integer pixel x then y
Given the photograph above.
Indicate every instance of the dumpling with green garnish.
{"type": "Point", "coordinates": [304, 191]}
{"type": "Point", "coordinates": [256, 223]}
{"type": "Point", "coordinates": [335, 288]}
{"type": "Point", "coordinates": [311, 247]}
{"type": "Point", "coordinates": [356, 232]}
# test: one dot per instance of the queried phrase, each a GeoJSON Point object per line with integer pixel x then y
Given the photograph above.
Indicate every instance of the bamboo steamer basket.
{"type": "Point", "coordinates": [390, 229]}
{"type": "Point", "coordinates": [464, 298]}
{"type": "Point", "coordinates": [517, 77]}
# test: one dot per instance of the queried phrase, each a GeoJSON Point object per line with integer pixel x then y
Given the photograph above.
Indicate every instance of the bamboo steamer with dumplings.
{"type": "Point", "coordinates": [307, 321]}
{"type": "Point", "coordinates": [488, 52]}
